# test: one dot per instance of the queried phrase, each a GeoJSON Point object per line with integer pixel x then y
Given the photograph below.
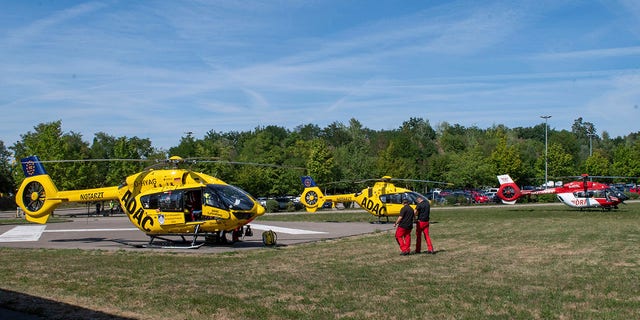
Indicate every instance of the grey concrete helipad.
{"type": "Point", "coordinates": [116, 232]}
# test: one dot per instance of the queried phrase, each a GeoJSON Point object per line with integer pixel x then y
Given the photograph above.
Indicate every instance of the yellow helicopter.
{"type": "Point", "coordinates": [159, 202]}
{"type": "Point", "coordinates": [384, 199]}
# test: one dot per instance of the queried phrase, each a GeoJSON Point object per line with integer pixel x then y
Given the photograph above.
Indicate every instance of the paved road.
{"type": "Point", "coordinates": [117, 233]}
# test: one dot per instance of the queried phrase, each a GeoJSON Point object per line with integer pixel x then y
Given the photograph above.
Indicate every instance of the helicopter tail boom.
{"type": "Point", "coordinates": [38, 196]}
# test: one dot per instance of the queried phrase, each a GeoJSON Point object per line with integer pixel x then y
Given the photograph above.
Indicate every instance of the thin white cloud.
{"type": "Point", "coordinates": [159, 70]}
{"type": "Point", "coordinates": [36, 28]}
{"type": "Point", "coordinates": [591, 54]}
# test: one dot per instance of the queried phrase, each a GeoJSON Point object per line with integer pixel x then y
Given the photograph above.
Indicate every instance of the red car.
{"type": "Point", "coordinates": [479, 197]}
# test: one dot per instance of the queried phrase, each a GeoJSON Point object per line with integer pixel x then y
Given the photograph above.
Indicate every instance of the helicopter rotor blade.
{"type": "Point", "coordinates": [420, 180]}
{"type": "Point", "coordinates": [93, 160]}
{"type": "Point", "coordinates": [176, 161]}
{"type": "Point", "coordinates": [385, 179]}
{"type": "Point", "coordinates": [257, 164]}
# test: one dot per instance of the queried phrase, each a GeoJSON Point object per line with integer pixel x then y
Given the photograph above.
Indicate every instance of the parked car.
{"type": "Point", "coordinates": [435, 198]}
{"type": "Point", "coordinates": [459, 197]}
{"type": "Point", "coordinates": [478, 197]}
{"type": "Point", "coordinates": [493, 197]}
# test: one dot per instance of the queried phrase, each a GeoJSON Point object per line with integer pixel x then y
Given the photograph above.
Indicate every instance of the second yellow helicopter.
{"type": "Point", "coordinates": [383, 199]}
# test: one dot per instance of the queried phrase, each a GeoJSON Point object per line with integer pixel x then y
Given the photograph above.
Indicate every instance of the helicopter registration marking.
{"type": "Point", "coordinates": [92, 196]}
{"type": "Point", "coordinates": [143, 183]}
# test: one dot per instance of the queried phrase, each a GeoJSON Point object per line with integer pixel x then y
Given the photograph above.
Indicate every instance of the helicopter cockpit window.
{"type": "Point", "coordinates": [227, 197]}
{"type": "Point", "coordinates": [582, 194]}
{"type": "Point", "coordinates": [150, 201]}
{"type": "Point", "coordinates": [171, 201]}
{"type": "Point", "coordinates": [391, 198]}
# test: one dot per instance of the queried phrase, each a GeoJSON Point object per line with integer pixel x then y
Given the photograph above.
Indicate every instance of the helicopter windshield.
{"type": "Point", "coordinates": [227, 197]}
{"type": "Point", "coordinates": [413, 197]}
{"type": "Point", "coordinates": [398, 197]}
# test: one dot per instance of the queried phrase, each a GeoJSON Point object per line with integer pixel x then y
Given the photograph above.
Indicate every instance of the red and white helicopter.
{"type": "Point", "coordinates": [576, 194]}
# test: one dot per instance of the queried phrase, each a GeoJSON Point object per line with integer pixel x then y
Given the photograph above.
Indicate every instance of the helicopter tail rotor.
{"type": "Point", "coordinates": [312, 197]}
{"type": "Point", "coordinates": [508, 191]}
{"type": "Point", "coordinates": [36, 195]}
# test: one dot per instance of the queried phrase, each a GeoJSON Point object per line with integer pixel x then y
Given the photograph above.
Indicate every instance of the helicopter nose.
{"type": "Point", "coordinates": [261, 210]}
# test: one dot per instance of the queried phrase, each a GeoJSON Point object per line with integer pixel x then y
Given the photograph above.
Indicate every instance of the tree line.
{"type": "Point", "coordinates": [336, 156]}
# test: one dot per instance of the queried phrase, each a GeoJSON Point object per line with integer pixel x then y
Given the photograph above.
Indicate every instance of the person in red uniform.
{"type": "Point", "coordinates": [403, 225]}
{"type": "Point", "coordinates": [422, 225]}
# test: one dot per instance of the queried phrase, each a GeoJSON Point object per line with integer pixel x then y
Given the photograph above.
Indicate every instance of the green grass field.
{"type": "Point", "coordinates": [510, 262]}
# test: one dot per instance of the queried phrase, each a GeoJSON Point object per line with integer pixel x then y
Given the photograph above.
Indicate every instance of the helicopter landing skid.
{"type": "Point", "coordinates": [173, 244]}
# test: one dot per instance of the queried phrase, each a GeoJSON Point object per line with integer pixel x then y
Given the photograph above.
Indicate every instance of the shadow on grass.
{"type": "Point", "coordinates": [20, 306]}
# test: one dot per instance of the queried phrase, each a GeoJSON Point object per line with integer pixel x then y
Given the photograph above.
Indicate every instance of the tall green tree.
{"type": "Point", "coordinates": [78, 174]}
{"type": "Point", "coordinates": [505, 159]}
{"type": "Point", "coordinates": [597, 164]}
{"type": "Point", "coordinates": [130, 149]}
{"type": "Point", "coordinates": [102, 148]}
{"type": "Point", "coordinates": [336, 135]}
{"type": "Point", "coordinates": [308, 131]}
{"type": "Point", "coordinates": [397, 160]}
{"type": "Point", "coordinates": [47, 143]}
{"type": "Point", "coordinates": [569, 144]}
{"type": "Point", "coordinates": [354, 158]}
{"type": "Point", "coordinates": [470, 170]}
{"type": "Point", "coordinates": [560, 162]}
{"type": "Point", "coordinates": [452, 138]}
{"type": "Point", "coordinates": [585, 134]}
{"type": "Point", "coordinates": [625, 160]}
{"type": "Point", "coordinates": [187, 147]}
{"type": "Point", "coordinates": [320, 162]}
{"type": "Point", "coordinates": [7, 184]}
{"type": "Point", "coordinates": [422, 145]}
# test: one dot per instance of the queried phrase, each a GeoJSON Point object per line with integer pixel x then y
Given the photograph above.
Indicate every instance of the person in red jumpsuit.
{"type": "Point", "coordinates": [422, 225]}
{"type": "Point", "coordinates": [403, 225]}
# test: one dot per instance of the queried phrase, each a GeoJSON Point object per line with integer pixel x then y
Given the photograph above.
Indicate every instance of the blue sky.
{"type": "Point", "coordinates": [158, 69]}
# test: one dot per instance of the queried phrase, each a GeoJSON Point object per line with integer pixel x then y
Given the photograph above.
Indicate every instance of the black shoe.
{"type": "Point", "coordinates": [405, 253]}
{"type": "Point", "coordinates": [431, 252]}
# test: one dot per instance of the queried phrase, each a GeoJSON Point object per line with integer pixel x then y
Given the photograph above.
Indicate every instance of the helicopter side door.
{"type": "Point", "coordinates": [192, 205]}
{"type": "Point", "coordinates": [165, 207]}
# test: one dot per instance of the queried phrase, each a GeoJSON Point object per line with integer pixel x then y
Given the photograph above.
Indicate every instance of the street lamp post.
{"type": "Point", "coordinates": [590, 144]}
{"type": "Point", "coordinates": [546, 170]}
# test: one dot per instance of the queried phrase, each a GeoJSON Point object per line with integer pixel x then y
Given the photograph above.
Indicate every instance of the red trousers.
{"type": "Point", "coordinates": [423, 228]}
{"type": "Point", "coordinates": [403, 236]}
